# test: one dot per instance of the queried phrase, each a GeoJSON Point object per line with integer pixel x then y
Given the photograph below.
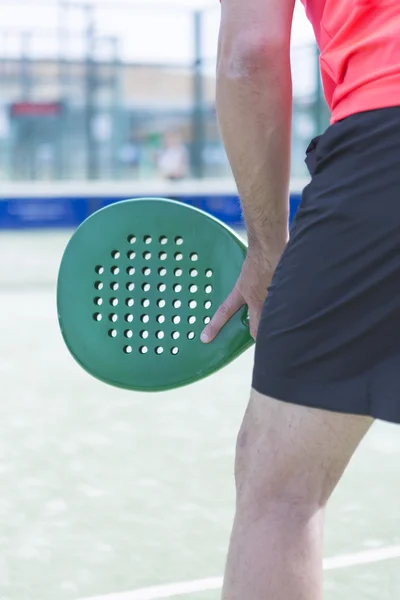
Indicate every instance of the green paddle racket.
{"type": "Point", "coordinates": [138, 282]}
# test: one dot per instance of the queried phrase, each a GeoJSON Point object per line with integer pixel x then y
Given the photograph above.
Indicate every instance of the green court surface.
{"type": "Point", "coordinates": [106, 492]}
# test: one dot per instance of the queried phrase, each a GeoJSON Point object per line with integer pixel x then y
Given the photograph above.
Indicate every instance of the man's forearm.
{"type": "Point", "coordinates": [254, 106]}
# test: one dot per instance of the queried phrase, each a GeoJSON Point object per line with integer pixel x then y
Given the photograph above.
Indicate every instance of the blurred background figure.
{"type": "Point", "coordinates": [173, 160]}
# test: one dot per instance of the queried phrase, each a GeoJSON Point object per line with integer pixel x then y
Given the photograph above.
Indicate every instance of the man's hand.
{"type": "Point", "coordinates": [251, 289]}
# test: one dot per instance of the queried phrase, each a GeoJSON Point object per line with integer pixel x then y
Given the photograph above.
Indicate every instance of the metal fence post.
{"type": "Point", "coordinates": [198, 122]}
{"type": "Point", "coordinates": [25, 73]}
{"type": "Point", "coordinates": [90, 96]}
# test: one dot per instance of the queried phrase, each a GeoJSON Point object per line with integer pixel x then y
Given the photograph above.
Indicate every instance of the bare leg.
{"type": "Point", "coordinates": [288, 462]}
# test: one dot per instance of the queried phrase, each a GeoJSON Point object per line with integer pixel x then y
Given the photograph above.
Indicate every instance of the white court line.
{"type": "Point", "coordinates": [173, 590]}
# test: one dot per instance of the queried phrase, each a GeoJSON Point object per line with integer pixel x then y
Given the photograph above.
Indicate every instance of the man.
{"type": "Point", "coordinates": [173, 159]}
{"type": "Point", "coordinates": [327, 358]}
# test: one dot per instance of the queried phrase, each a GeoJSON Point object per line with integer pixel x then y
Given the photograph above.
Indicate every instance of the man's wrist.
{"type": "Point", "coordinates": [269, 242]}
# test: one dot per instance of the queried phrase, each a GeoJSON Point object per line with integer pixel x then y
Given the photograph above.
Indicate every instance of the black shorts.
{"type": "Point", "coordinates": [329, 335]}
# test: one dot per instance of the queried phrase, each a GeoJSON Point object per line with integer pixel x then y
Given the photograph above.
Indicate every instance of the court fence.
{"type": "Point", "coordinates": [102, 92]}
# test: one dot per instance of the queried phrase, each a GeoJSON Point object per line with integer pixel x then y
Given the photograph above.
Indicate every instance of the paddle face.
{"type": "Point", "coordinates": [138, 282]}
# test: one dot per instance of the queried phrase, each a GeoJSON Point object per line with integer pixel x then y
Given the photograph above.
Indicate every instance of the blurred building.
{"type": "Point", "coordinates": [115, 115]}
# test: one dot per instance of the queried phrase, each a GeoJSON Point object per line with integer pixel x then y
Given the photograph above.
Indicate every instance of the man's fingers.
{"type": "Point", "coordinates": [231, 305]}
{"type": "Point", "coordinates": [255, 317]}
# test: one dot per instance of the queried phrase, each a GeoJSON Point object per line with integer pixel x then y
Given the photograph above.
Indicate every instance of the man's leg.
{"type": "Point", "coordinates": [288, 461]}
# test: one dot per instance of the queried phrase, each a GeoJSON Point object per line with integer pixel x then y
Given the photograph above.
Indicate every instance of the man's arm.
{"type": "Point", "coordinates": [254, 106]}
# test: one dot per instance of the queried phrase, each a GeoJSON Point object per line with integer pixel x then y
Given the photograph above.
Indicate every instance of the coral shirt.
{"type": "Point", "coordinates": [359, 42]}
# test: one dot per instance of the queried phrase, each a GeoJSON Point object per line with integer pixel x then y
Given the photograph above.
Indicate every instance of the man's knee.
{"type": "Point", "coordinates": [266, 470]}
{"type": "Point", "coordinates": [292, 455]}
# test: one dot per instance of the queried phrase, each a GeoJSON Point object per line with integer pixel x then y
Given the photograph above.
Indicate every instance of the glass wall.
{"type": "Point", "coordinates": [96, 92]}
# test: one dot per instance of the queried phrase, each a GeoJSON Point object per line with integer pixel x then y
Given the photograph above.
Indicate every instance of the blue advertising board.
{"type": "Point", "coordinates": [60, 207]}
